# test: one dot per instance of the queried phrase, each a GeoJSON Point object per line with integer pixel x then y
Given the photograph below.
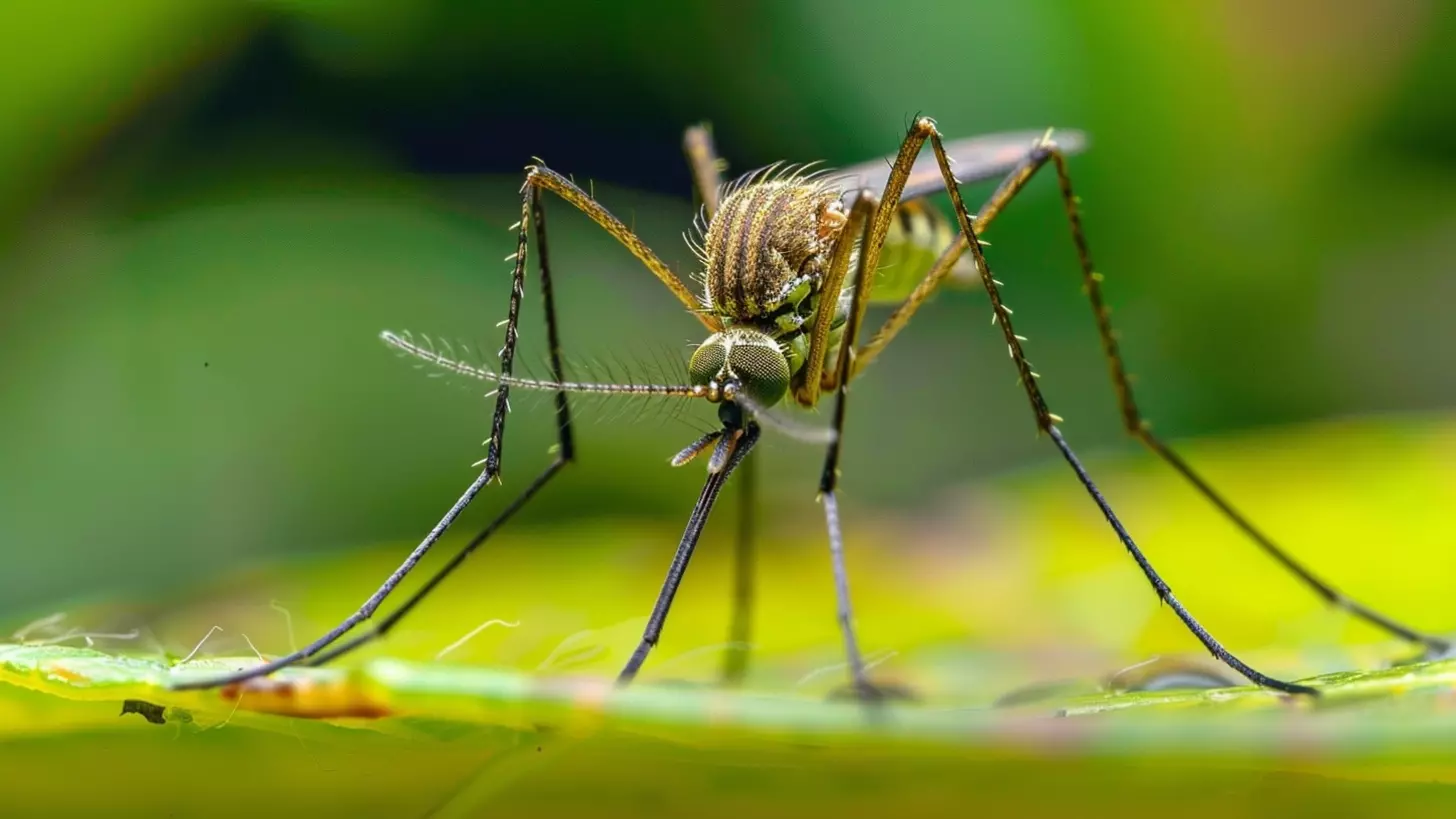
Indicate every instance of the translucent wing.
{"type": "Point", "coordinates": [920, 230]}
{"type": "Point", "coordinates": [977, 158]}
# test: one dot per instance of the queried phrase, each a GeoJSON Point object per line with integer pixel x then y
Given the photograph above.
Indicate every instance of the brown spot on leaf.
{"type": "Point", "coordinates": [306, 698]}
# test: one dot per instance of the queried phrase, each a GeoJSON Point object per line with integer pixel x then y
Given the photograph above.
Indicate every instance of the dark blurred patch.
{"type": "Point", "coordinates": [151, 712]}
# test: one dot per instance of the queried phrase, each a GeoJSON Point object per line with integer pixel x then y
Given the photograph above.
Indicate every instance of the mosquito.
{"type": "Point", "coordinates": [790, 261]}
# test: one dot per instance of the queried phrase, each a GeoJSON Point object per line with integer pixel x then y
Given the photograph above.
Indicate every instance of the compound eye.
{"type": "Point", "coordinates": [707, 360]}
{"type": "Point", "coordinates": [761, 369]}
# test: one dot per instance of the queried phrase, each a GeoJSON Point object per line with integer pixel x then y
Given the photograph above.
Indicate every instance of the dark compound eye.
{"type": "Point", "coordinates": [761, 369]}
{"type": "Point", "coordinates": [748, 357]}
{"type": "Point", "coordinates": [707, 360]}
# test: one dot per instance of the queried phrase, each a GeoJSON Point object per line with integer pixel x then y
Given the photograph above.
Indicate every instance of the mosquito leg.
{"type": "Point", "coordinates": [1046, 421]}
{"type": "Point", "coordinates": [819, 375]}
{"type": "Point", "coordinates": [863, 212]}
{"type": "Point", "coordinates": [1133, 421]}
{"type": "Point", "coordinates": [862, 216]}
{"type": "Point", "coordinates": [542, 177]}
{"type": "Point", "coordinates": [741, 439]}
{"type": "Point", "coordinates": [565, 451]}
{"type": "Point", "coordinates": [363, 613]}
{"type": "Point", "coordinates": [386, 623]}
{"type": "Point", "coordinates": [314, 653]}
{"type": "Point", "coordinates": [922, 130]}
{"type": "Point", "coordinates": [1138, 426]}
{"type": "Point", "coordinates": [706, 166]}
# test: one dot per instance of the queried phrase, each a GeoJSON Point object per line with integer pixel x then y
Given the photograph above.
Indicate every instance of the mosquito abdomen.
{"type": "Point", "coordinates": [918, 234]}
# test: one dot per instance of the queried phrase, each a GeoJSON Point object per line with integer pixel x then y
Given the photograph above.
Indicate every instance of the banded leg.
{"type": "Point", "coordinates": [707, 168]}
{"type": "Point", "coordinates": [1134, 422]}
{"type": "Point", "coordinates": [328, 646]}
{"type": "Point", "coordinates": [924, 129]}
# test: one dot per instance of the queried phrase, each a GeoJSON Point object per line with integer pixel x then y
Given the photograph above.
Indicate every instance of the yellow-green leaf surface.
{"type": "Point", "coordinates": [1006, 609]}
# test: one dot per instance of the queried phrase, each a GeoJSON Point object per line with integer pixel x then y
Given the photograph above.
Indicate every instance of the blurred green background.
{"type": "Point", "coordinates": [208, 211]}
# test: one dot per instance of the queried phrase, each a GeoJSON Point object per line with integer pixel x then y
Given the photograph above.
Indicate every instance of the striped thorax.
{"type": "Point", "coordinates": [767, 240]}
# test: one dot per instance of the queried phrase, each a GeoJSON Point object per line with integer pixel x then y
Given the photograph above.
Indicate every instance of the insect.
{"type": "Point", "coordinates": [790, 261]}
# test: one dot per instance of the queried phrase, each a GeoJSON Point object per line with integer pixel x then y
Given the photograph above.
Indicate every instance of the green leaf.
{"type": "Point", "coordinates": [522, 717]}
{"type": "Point", "coordinates": [480, 725]}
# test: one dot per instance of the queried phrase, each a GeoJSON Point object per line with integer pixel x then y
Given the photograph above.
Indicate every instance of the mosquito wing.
{"type": "Point", "coordinates": [977, 159]}
{"type": "Point", "coordinates": [920, 230]}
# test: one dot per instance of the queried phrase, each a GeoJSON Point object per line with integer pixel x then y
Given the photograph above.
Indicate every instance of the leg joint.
{"type": "Point", "coordinates": [1043, 151]}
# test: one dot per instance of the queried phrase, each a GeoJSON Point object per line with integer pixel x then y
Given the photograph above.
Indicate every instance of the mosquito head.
{"type": "Point", "coordinates": [744, 360]}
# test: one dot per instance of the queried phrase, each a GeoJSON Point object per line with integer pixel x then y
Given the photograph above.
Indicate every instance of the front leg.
{"type": "Point", "coordinates": [732, 447]}
{"type": "Point", "coordinates": [863, 213]}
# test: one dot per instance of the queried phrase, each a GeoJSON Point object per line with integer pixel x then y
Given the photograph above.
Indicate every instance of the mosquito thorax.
{"type": "Point", "coordinates": [741, 359]}
{"type": "Point", "coordinates": [769, 243]}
